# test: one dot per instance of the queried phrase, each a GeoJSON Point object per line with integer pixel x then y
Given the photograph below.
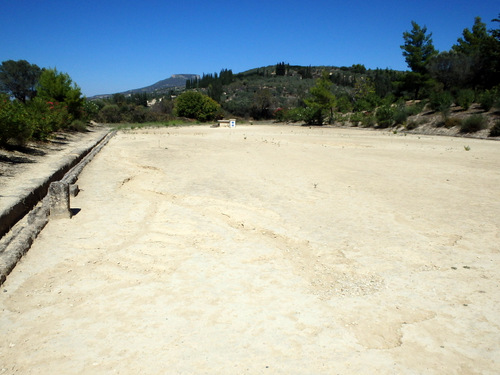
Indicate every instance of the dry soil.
{"type": "Point", "coordinates": [266, 250]}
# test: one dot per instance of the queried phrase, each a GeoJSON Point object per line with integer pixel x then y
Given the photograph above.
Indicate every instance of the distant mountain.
{"type": "Point", "coordinates": [176, 80]}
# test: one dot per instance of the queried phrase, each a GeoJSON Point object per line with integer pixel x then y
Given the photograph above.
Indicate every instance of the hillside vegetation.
{"type": "Point", "coordinates": [455, 91]}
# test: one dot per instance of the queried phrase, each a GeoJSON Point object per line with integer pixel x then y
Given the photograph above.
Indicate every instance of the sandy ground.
{"type": "Point", "coordinates": [266, 250]}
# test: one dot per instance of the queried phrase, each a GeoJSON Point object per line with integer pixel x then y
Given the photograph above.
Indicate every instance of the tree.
{"type": "Point", "coordinates": [358, 68]}
{"type": "Point", "coordinates": [417, 50]}
{"type": "Point", "coordinates": [19, 79]}
{"type": "Point", "coordinates": [262, 102]}
{"type": "Point", "coordinates": [483, 47]}
{"type": "Point", "coordinates": [322, 99]}
{"type": "Point", "coordinates": [494, 49]}
{"type": "Point", "coordinates": [59, 87]}
{"type": "Point", "coordinates": [193, 104]}
{"type": "Point", "coordinates": [281, 69]}
{"type": "Point", "coordinates": [215, 90]}
{"type": "Point", "coordinates": [364, 95]}
{"type": "Point", "coordinates": [453, 69]}
{"type": "Point", "coordinates": [472, 41]}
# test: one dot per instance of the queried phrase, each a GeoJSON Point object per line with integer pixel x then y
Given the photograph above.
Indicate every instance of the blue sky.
{"type": "Point", "coordinates": [110, 46]}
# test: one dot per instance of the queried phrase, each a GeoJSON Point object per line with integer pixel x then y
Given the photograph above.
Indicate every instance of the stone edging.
{"type": "Point", "coordinates": [23, 222]}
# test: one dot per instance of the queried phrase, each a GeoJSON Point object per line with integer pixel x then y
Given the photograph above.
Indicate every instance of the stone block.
{"type": "Point", "coordinates": [59, 200]}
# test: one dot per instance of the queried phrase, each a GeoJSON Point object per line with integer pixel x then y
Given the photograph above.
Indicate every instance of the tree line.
{"type": "Point", "coordinates": [37, 101]}
{"type": "Point", "coordinates": [34, 102]}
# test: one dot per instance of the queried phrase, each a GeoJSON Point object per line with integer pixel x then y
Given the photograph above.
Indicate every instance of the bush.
{"type": "Point", "coordinates": [78, 126]}
{"type": "Point", "coordinates": [452, 122]}
{"type": "Point", "coordinates": [90, 109]}
{"type": "Point", "coordinates": [416, 108]}
{"type": "Point", "coordinates": [495, 130]}
{"type": "Point", "coordinates": [400, 114]}
{"type": "Point", "coordinates": [279, 115]}
{"type": "Point", "coordinates": [473, 124]}
{"type": "Point", "coordinates": [369, 121]}
{"type": "Point", "coordinates": [356, 118]}
{"type": "Point", "coordinates": [195, 105]}
{"type": "Point", "coordinates": [411, 125]}
{"type": "Point", "coordinates": [294, 114]}
{"type": "Point", "coordinates": [46, 117]}
{"type": "Point", "coordinates": [13, 121]}
{"type": "Point", "coordinates": [367, 103]}
{"type": "Point", "coordinates": [441, 101]}
{"type": "Point", "coordinates": [487, 99]}
{"type": "Point", "coordinates": [110, 114]}
{"type": "Point", "coordinates": [465, 98]}
{"type": "Point", "coordinates": [344, 105]}
{"type": "Point", "coordinates": [135, 114]}
{"type": "Point", "coordinates": [385, 116]}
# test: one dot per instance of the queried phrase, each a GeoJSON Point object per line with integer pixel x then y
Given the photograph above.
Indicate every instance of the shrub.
{"type": "Point", "coordinates": [495, 130]}
{"type": "Point", "coordinates": [344, 105]}
{"type": "Point", "coordinates": [400, 114]}
{"type": "Point", "coordinates": [295, 114]}
{"type": "Point", "coordinates": [416, 108]}
{"type": "Point", "coordinates": [385, 116]}
{"type": "Point", "coordinates": [136, 114]}
{"type": "Point", "coordinates": [441, 101]}
{"type": "Point", "coordinates": [13, 121]}
{"type": "Point", "coordinates": [78, 126]}
{"type": "Point", "coordinates": [411, 125]}
{"type": "Point", "coordinates": [369, 121]}
{"type": "Point", "coordinates": [110, 113]}
{"type": "Point", "coordinates": [487, 99]}
{"type": "Point", "coordinates": [279, 115]}
{"type": "Point", "coordinates": [367, 103]}
{"type": "Point", "coordinates": [465, 98]}
{"type": "Point", "coordinates": [46, 117]}
{"type": "Point", "coordinates": [452, 122]}
{"type": "Point", "coordinates": [90, 109]}
{"type": "Point", "coordinates": [473, 124]}
{"type": "Point", "coordinates": [356, 118]}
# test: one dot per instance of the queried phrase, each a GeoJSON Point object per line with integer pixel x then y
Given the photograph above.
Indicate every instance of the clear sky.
{"type": "Point", "coordinates": [109, 46]}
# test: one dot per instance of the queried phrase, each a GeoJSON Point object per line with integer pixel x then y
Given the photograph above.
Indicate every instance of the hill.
{"type": "Point", "coordinates": [176, 80]}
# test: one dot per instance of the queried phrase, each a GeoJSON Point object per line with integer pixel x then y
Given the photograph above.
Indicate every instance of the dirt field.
{"type": "Point", "coordinates": [266, 250]}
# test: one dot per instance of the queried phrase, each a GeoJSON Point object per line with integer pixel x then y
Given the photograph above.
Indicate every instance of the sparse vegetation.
{"type": "Point", "coordinates": [465, 98]}
{"type": "Point", "coordinates": [451, 122]}
{"type": "Point", "coordinates": [441, 102]}
{"type": "Point", "coordinates": [473, 124]}
{"type": "Point", "coordinates": [317, 95]}
{"type": "Point", "coordinates": [487, 99]}
{"type": "Point", "coordinates": [495, 130]}
{"type": "Point", "coordinates": [385, 116]}
{"type": "Point", "coordinates": [400, 114]}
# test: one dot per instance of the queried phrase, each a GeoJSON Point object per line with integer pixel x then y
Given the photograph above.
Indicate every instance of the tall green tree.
{"type": "Point", "coordinates": [483, 48]}
{"type": "Point", "coordinates": [322, 100]}
{"type": "Point", "coordinates": [19, 79]}
{"type": "Point", "coordinates": [472, 41]}
{"type": "Point", "coordinates": [418, 49]}
{"type": "Point", "coordinates": [281, 69]}
{"type": "Point", "coordinates": [495, 52]}
{"type": "Point", "coordinates": [59, 87]}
